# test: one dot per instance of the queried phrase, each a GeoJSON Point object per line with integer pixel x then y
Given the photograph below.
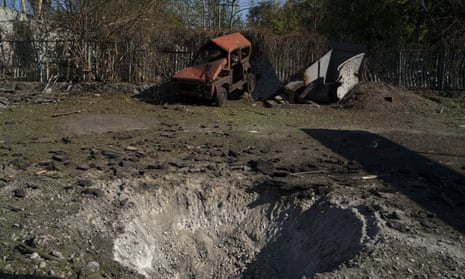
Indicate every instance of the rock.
{"type": "Point", "coordinates": [395, 215]}
{"type": "Point", "coordinates": [19, 193]}
{"type": "Point", "coordinates": [263, 166]}
{"type": "Point", "coordinates": [60, 156]}
{"type": "Point", "coordinates": [131, 148]}
{"type": "Point", "coordinates": [93, 266]}
{"type": "Point", "coordinates": [111, 154]}
{"type": "Point", "coordinates": [217, 153]}
{"type": "Point", "coordinates": [123, 202]}
{"type": "Point", "coordinates": [93, 192]}
{"type": "Point", "coordinates": [85, 182]}
{"type": "Point", "coordinates": [4, 101]}
{"type": "Point", "coordinates": [56, 254]}
{"type": "Point", "coordinates": [98, 164]}
{"type": "Point", "coordinates": [398, 226]}
{"type": "Point", "coordinates": [233, 153]}
{"type": "Point", "coordinates": [127, 164]}
{"type": "Point", "coordinates": [35, 256]}
{"type": "Point", "coordinates": [156, 166]}
{"type": "Point", "coordinates": [20, 164]}
{"type": "Point", "coordinates": [49, 166]}
{"type": "Point", "coordinates": [70, 164]}
{"type": "Point", "coordinates": [83, 167]}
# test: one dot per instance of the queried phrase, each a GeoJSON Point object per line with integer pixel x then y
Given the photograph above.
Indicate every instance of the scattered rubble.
{"type": "Point", "coordinates": [128, 189]}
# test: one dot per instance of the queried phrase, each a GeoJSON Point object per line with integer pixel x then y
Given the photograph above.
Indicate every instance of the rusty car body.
{"type": "Point", "coordinates": [221, 66]}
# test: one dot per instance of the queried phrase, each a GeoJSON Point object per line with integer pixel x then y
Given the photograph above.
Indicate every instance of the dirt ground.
{"type": "Point", "coordinates": [102, 182]}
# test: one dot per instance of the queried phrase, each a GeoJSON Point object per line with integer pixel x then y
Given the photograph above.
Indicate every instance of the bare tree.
{"type": "Point", "coordinates": [23, 6]}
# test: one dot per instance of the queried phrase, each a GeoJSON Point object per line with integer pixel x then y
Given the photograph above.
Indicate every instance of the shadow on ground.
{"type": "Point", "coordinates": [309, 242]}
{"type": "Point", "coordinates": [162, 94]}
{"type": "Point", "coordinates": [435, 187]}
{"type": "Point", "coordinates": [157, 94]}
{"type": "Point", "coordinates": [22, 276]}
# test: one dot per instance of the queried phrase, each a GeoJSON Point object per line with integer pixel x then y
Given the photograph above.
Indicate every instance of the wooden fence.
{"type": "Point", "coordinates": [417, 69]}
{"type": "Point", "coordinates": [101, 61]}
{"type": "Point", "coordinates": [127, 62]}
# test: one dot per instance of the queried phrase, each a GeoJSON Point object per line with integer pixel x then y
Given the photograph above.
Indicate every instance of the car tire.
{"type": "Point", "coordinates": [221, 97]}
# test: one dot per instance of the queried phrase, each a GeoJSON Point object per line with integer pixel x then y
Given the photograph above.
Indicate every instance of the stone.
{"type": "Point", "coordinates": [110, 154]}
{"type": "Point", "coordinates": [93, 266]}
{"type": "Point", "coordinates": [233, 153]}
{"type": "Point", "coordinates": [93, 192]}
{"type": "Point", "coordinates": [131, 148]}
{"type": "Point", "coordinates": [19, 193]}
{"type": "Point", "coordinates": [83, 167]}
{"type": "Point", "coordinates": [56, 254]}
{"type": "Point", "coordinates": [127, 164]}
{"type": "Point", "coordinates": [34, 256]}
{"type": "Point", "coordinates": [263, 166]}
{"type": "Point", "coordinates": [85, 182]}
{"type": "Point", "coordinates": [70, 164]}
{"type": "Point", "coordinates": [60, 156]}
{"type": "Point", "coordinates": [156, 166]}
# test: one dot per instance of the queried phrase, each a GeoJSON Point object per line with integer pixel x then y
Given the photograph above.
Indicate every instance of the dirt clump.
{"type": "Point", "coordinates": [377, 96]}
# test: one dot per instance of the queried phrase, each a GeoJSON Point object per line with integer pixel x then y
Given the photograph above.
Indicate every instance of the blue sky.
{"type": "Point", "coordinates": [246, 4]}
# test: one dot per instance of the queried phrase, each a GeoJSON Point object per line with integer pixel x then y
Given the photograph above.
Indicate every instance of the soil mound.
{"type": "Point", "coordinates": [380, 97]}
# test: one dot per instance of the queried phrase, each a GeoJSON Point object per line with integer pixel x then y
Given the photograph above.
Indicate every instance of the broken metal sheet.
{"type": "Point", "coordinates": [203, 72]}
{"type": "Point", "coordinates": [348, 74]}
{"type": "Point", "coordinates": [323, 74]}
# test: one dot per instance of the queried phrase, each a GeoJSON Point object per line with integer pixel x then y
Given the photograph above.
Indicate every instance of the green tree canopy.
{"type": "Point", "coordinates": [378, 24]}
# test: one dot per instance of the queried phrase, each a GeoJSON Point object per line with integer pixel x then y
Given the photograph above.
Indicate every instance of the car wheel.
{"type": "Point", "coordinates": [221, 97]}
{"type": "Point", "coordinates": [251, 83]}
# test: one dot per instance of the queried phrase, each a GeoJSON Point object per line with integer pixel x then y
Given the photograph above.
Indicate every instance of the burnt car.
{"type": "Point", "coordinates": [220, 67]}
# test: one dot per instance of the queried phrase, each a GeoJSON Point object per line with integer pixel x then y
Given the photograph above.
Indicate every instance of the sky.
{"type": "Point", "coordinates": [244, 5]}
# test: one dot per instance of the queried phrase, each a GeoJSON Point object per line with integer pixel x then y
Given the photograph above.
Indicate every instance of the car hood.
{"type": "Point", "coordinates": [203, 72]}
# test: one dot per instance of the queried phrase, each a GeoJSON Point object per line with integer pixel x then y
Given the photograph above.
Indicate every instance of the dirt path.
{"type": "Point", "coordinates": [127, 189]}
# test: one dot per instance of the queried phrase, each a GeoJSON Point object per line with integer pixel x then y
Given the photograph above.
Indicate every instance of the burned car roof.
{"type": "Point", "coordinates": [231, 42]}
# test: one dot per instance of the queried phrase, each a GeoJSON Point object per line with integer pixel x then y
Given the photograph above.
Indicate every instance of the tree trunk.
{"type": "Point", "coordinates": [23, 6]}
{"type": "Point", "coordinates": [233, 12]}
{"type": "Point", "coordinates": [219, 15]}
{"type": "Point", "coordinates": [39, 8]}
{"type": "Point", "coordinates": [204, 16]}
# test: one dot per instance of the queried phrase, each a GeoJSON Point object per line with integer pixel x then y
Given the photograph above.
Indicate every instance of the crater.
{"type": "Point", "coordinates": [225, 231]}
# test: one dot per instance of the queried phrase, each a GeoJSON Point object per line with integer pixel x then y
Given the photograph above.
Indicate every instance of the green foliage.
{"type": "Point", "coordinates": [293, 16]}
{"type": "Point", "coordinates": [378, 24]}
{"type": "Point", "coordinates": [375, 23]}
